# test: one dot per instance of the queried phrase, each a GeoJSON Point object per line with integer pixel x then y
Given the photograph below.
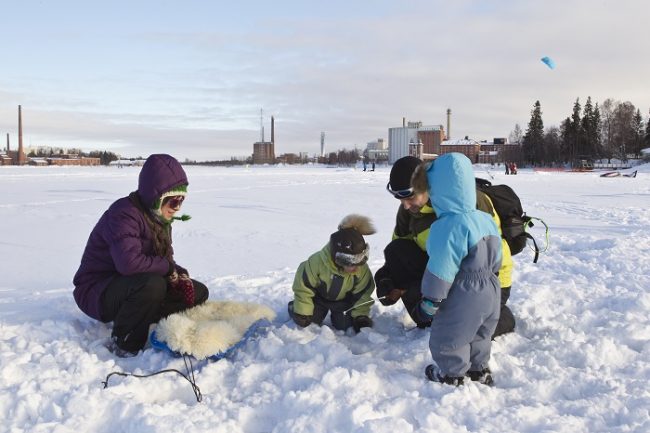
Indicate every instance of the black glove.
{"type": "Point", "coordinates": [386, 291]}
{"type": "Point", "coordinates": [361, 322]}
{"type": "Point", "coordinates": [301, 320]}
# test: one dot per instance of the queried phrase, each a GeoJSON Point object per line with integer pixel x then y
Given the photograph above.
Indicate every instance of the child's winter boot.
{"type": "Point", "coordinates": [433, 374]}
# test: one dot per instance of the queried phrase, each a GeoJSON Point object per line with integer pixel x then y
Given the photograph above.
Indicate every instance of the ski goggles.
{"type": "Point", "coordinates": [174, 201]}
{"type": "Point", "coordinates": [346, 259]}
{"type": "Point", "coordinates": [400, 193]}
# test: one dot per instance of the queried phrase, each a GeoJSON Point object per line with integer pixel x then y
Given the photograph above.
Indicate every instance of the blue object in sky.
{"type": "Point", "coordinates": [548, 62]}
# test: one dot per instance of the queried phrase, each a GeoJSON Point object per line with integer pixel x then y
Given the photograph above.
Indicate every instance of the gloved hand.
{"type": "Point", "coordinates": [423, 312]}
{"type": "Point", "coordinates": [387, 292]}
{"type": "Point", "coordinates": [172, 281]}
{"type": "Point", "coordinates": [361, 322]}
{"type": "Point", "coordinates": [427, 308]}
{"type": "Point", "coordinates": [186, 286]}
{"type": "Point", "coordinates": [394, 295]}
{"type": "Point", "coordinates": [183, 285]}
{"type": "Point", "coordinates": [301, 320]}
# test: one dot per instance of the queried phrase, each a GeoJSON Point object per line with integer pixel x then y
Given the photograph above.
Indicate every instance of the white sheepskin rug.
{"type": "Point", "coordinates": [211, 327]}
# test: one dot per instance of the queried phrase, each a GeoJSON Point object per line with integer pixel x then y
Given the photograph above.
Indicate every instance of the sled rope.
{"type": "Point", "coordinates": [189, 376]}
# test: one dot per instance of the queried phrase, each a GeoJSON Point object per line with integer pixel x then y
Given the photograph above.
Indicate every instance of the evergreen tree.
{"type": "Point", "coordinates": [637, 133]}
{"type": "Point", "coordinates": [552, 146]}
{"type": "Point", "coordinates": [534, 137]}
{"type": "Point", "coordinates": [576, 133]}
{"type": "Point", "coordinates": [565, 146]}
{"type": "Point", "coordinates": [573, 135]}
{"type": "Point", "coordinates": [597, 137]}
{"type": "Point", "coordinates": [590, 130]}
{"type": "Point", "coordinates": [647, 131]}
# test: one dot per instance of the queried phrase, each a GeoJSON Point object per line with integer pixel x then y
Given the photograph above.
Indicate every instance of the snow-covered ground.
{"type": "Point", "coordinates": [578, 362]}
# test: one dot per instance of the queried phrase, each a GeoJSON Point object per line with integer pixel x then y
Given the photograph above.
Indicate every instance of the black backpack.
{"type": "Point", "coordinates": [514, 220]}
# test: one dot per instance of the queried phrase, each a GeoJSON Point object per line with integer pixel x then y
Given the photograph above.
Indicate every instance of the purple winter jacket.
{"type": "Point", "coordinates": [122, 243]}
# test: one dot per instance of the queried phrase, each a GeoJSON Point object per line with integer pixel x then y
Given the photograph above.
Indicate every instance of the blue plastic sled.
{"type": "Point", "coordinates": [161, 345]}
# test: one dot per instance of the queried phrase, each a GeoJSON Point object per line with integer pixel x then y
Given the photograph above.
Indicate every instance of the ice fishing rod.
{"type": "Point", "coordinates": [363, 303]}
{"type": "Point", "coordinates": [349, 309]}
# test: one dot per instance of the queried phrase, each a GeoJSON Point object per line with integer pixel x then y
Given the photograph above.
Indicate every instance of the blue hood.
{"type": "Point", "coordinates": [452, 187]}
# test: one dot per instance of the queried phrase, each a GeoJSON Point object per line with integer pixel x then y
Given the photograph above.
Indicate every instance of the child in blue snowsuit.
{"type": "Point", "coordinates": [460, 288]}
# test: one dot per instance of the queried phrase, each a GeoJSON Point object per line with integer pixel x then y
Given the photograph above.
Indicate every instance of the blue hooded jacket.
{"type": "Point", "coordinates": [464, 244]}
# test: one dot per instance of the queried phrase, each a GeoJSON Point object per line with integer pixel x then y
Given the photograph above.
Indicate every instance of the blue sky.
{"type": "Point", "coordinates": [189, 77]}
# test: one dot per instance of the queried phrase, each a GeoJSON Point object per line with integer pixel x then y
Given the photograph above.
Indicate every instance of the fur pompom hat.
{"type": "Point", "coordinates": [347, 246]}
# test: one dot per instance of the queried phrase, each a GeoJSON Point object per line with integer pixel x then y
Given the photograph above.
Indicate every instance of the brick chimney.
{"type": "Point", "coordinates": [21, 151]}
{"type": "Point", "coordinates": [448, 123]}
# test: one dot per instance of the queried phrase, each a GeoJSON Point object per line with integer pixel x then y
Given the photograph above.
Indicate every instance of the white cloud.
{"type": "Point", "coordinates": [352, 73]}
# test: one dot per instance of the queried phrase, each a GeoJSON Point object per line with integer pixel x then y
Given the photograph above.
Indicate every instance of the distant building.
{"type": "Point", "coordinates": [15, 157]}
{"type": "Point", "coordinates": [401, 140]}
{"type": "Point", "coordinates": [127, 163]}
{"type": "Point", "coordinates": [264, 151]}
{"type": "Point", "coordinates": [467, 146]}
{"type": "Point", "coordinates": [75, 160]}
{"type": "Point", "coordinates": [431, 138]}
{"type": "Point", "coordinates": [377, 150]}
{"type": "Point", "coordinates": [428, 142]}
{"type": "Point", "coordinates": [6, 159]}
{"type": "Point", "coordinates": [499, 150]}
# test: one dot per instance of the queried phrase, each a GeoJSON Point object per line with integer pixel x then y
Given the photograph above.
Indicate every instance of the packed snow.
{"type": "Point", "coordinates": [579, 360]}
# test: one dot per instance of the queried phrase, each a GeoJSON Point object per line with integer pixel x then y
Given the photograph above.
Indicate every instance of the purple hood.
{"type": "Point", "coordinates": [122, 242]}
{"type": "Point", "coordinates": [159, 174]}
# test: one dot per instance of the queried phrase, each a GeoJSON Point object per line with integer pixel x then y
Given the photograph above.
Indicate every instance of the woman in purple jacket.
{"type": "Point", "coordinates": [128, 274]}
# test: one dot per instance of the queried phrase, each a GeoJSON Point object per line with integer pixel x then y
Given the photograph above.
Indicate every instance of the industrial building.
{"type": "Point", "coordinates": [18, 157]}
{"type": "Point", "coordinates": [264, 151]}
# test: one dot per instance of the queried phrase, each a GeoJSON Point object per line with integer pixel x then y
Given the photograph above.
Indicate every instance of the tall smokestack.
{"type": "Point", "coordinates": [272, 129]}
{"type": "Point", "coordinates": [448, 123]}
{"type": "Point", "coordinates": [261, 126]}
{"type": "Point", "coordinates": [21, 151]}
{"type": "Point", "coordinates": [7, 143]}
{"type": "Point", "coordinates": [322, 143]}
{"type": "Point", "coordinates": [403, 122]}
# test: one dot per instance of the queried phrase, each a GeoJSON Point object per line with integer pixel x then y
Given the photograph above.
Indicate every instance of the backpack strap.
{"type": "Point", "coordinates": [529, 223]}
{"type": "Point", "coordinates": [536, 250]}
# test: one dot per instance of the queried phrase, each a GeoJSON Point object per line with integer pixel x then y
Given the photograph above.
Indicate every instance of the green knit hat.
{"type": "Point", "coordinates": [157, 205]}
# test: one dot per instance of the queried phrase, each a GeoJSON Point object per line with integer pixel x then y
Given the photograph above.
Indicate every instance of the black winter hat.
{"type": "Point", "coordinates": [348, 247]}
{"type": "Point", "coordinates": [401, 173]}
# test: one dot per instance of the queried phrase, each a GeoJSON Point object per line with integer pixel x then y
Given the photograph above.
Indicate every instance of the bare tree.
{"type": "Point", "coordinates": [623, 131]}
{"type": "Point", "coordinates": [607, 125]}
{"type": "Point", "coordinates": [516, 135]}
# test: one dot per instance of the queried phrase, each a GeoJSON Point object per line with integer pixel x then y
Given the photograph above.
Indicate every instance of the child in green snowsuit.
{"type": "Point", "coordinates": [336, 279]}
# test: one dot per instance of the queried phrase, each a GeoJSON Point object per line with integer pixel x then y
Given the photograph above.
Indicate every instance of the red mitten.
{"type": "Point", "coordinates": [186, 286]}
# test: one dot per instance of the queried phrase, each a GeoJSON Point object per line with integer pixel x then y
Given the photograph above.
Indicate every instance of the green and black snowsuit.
{"type": "Point", "coordinates": [321, 286]}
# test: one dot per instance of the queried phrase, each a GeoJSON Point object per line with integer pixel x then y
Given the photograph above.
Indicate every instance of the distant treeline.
{"type": "Point", "coordinates": [104, 156]}
{"type": "Point", "coordinates": [611, 130]}
{"type": "Point", "coordinates": [341, 158]}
